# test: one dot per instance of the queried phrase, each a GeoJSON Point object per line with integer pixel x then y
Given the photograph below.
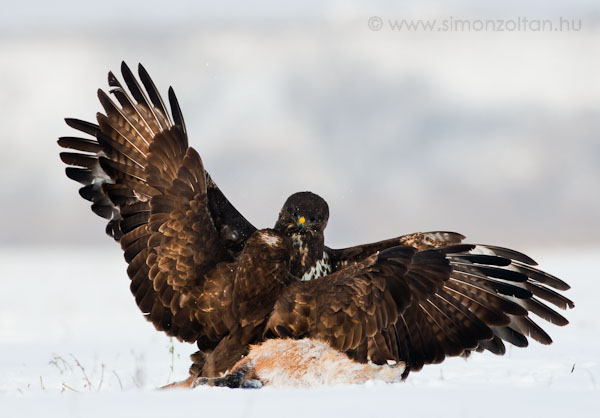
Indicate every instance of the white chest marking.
{"type": "Point", "coordinates": [297, 240]}
{"type": "Point", "coordinates": [320, 269]}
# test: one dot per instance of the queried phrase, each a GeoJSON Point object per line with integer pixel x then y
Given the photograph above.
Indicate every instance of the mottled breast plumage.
{"type": "Point", "coordinates": [320, 269]}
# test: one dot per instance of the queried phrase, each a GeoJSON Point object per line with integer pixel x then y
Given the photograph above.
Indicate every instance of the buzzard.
{"type": "Point", "coordinates": [202, 273]}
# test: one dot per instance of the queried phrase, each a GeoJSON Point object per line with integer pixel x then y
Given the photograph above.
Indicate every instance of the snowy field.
{"type": "Point", "coordinates": [74, 345]}
{"type": "Point", "coordinates": [492, 134]}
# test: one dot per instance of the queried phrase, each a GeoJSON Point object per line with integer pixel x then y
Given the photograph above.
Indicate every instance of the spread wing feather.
{"type": "Point", "coordinates": [341, 258]}
{"type": "Point", "coordinates": [420, 302]}
{"type": "Point", "coordinates": [177, 230]}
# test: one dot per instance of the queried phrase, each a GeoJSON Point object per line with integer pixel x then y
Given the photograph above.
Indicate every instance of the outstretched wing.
{"type": "Point", "coordinates": [177, 229]}
{"type": "Point", "coordinates": [344, 257]}
{"type": "Point", "coordinates": [421, 306]}
{"type": "Point", "coordinates": [123, 136]}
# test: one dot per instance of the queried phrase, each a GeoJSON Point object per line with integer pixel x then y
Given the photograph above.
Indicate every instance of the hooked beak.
{"type": "Point", "coordinates": [301, 222]}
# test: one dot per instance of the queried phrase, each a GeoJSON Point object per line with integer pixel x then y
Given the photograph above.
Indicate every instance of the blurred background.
{"type": "Point", "coordinates": [405, 117]}
{"type": "Point", "coordinates": [490, 133]}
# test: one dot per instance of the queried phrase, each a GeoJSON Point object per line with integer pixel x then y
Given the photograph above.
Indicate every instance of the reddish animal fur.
{"type": "Point", "coordinates": [302, 363]}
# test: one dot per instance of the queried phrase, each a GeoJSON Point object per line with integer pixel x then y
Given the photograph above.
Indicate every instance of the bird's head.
{"type": "Point", "coordinates": [303, 212]}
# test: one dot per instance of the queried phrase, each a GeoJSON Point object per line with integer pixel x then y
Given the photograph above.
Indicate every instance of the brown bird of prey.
{"type": "Point", "coordinates": [202, 273]}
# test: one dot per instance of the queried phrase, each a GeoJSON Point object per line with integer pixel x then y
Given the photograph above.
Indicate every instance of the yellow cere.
{"type": "Point", "coordinates": [301, 220]}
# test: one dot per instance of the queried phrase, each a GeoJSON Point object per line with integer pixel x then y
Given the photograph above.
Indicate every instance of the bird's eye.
{"type": "Point", "coordinates": [295, 214]}
{"type": "Point", "coordinates": [312, 219]}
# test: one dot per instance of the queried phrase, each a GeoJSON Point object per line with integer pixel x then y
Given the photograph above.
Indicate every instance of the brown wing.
{"type": "Point", "coordinates": [421, 306]}
{"type": "Point", "coordinates": [355, 310]}
{"type": "Point", "coordinates": [179, 233]}
{"type": "Point", "coordinates": [343, 257]}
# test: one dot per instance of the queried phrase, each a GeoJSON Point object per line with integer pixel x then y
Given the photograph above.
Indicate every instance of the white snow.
{"type": "Point", "coordinates": [64, 306]}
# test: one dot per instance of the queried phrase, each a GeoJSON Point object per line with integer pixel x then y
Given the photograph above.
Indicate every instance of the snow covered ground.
{"type": "Point", "coordinates": [510, 118]}
{"type": "Point", "coordinates": [74, 344]}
